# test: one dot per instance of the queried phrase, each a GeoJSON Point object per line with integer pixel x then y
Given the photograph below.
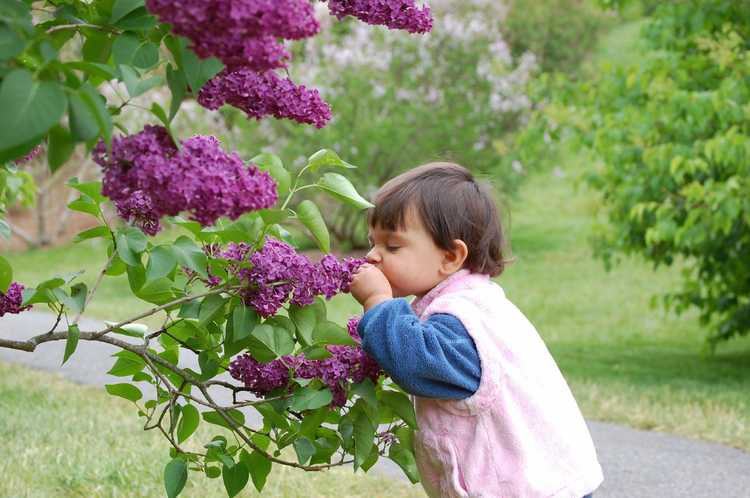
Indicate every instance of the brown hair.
{"type": "Point", "coordinates": [452, 205]}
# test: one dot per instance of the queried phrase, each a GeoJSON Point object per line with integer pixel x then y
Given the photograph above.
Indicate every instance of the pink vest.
{"type": "Point", "coordinates": [521, 435]}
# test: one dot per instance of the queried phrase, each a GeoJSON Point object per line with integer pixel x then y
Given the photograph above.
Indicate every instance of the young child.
{"type": "Point", "coordinates": [496, 418]}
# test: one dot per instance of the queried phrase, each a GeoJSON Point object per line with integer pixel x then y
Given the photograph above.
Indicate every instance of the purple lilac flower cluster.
{"type": "Point", "coordinates": [227, 29]}
{"type": "Point", "coordinates": [265, 94]}
{"type": "Point", "coordinates": [10, 301]}
{"type": "Point", "coordinates": [347, 364]}
{"type": "Point", "coordinates": [247, 36]}
{"type": "Point", "coordinates": [147, 177]}
{"type": "Point", "coordinates": [277, 274]}
{"type": "Point", "coordinates": [396, 14]}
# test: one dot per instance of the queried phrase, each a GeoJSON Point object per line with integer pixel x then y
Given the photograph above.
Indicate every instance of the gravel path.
{"type": "Point", "coordinates": [637, 464]}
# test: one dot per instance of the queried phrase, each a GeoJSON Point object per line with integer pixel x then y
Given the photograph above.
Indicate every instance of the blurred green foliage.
{"type": "Point", "coordinates": [559, 32]}
{"type": "Point", "coordinates": [671, 136]}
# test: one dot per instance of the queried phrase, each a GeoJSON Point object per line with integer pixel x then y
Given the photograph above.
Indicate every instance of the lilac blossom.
{"type": "Point", "coordinates": [217, 27]}
{"type": "Point", "coordinates": [147, 177]}
{"type": "Point", "coordinates": [346, 365]}
{"type": "Point", "coordinates": [10, 300]}
{"type": "Point", "coordinates": [395, 14]}
{"type": "Point", "coordinates": [277, 273]}
{"type": "Point", "coordinates": [264, 94]}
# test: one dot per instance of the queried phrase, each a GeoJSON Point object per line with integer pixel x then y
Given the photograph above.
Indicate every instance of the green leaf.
{"type": "Point", "coordinates": [137, 241]}
{"type": "Point", "coordinates": [175, 477]}
{"type": "Point", "coordinates": [259, 466]}
{"type": "Point", "coordinates": [235, 478]}
{"type": "Point", "coordinates": [305, 449]}
{"type": "Point", "coordinates": [130, 329]}
{"type": "Point", "coordinates": [138, 20]}
{"type": "Point", "coordinates": [71, 343]}
{"type": "Point", "coordinates": [77, 298]}
{"type": "Point", "coordinates": [189, 420]}
{"type": "Point", "coordinates": [135, 84]}
{"type": "Point", "coordinates": [401, 405]}
{"type": "Point", "coordinates": [10, 43]}
{"type": "Point", "coordinates": [312, 421]}
{"type": "Point", "coordinates": [316, 353]}
{"type": "Point", "coordinates": [216, 419]}
{"type": "Point", "coordinates": [305, 318]}
{"type": "Point", "coordinates": [244, 320]}
{"type": "Point", "coordinates": [91, 233]}
{"type": "Point", "coordinates": [85, 205]}
{"type": "Point", "coordinates": [190, 256]}
{"type": "Point", "coordinates": [30, 108]}
{"type": "Point", "coordinates": [6, 275]}
{"type": "Point", "coordinates": [101, 71]}
{"type": "Point", "coordinates": [327, 157]}
{"type": "Point", "coordinates": [91, 189]}
{"type": "Point", "coordinates": [160, 114]}
{"type": "Point", "coordinates": [97, 47]}
{"type": "Point", "coordinates": [364, 432]}
{"type": "Point", "coordinates": [161, 262]}
{"type": "Point", "coordinates": [309, 215]}
{"type": "Point", "coordinates": [129, 50]}
{"type": "Point", "coordinates": [178, 86]}
{"type": "Point", "coordinates": [199, 71]}
{"type": "Point", "coordinates": [366, 391]}
{"type": "Point", "coordinates": [405, 459]}
{"type": "Point", "coordinates": [278, 340]}
{"type": "Point", "coordinates": [271, 216]}
{"type": "Point", "coordinates": [157, 291]}
{"type": "Point", "coordinates": [330, 333]}
{"type": "Point", "coordinates": [127, 364]}
{"type": "Point", "coordinates": [121, 8]}
{"type": "Point", "coordinates": [211, 306]}
{"type": "Point", "coordinates": [127, 391]}
{"type": "Point", "coordinates": [96, 104]}
{"type": "Point", "coordinates": [341, 188]}
{"type": "Point", "coordinates": [60, 146]}
{"type": "Point", "coordinates": [208, 364]}
{"type": "Point", "coordinates": [272, 163]}
{"type": "Point", "coordinates": [123, 250]}
{"type": "Point", "coordinates": [83, 123]}
{"type": "Point", "coordinates": [310, 399]}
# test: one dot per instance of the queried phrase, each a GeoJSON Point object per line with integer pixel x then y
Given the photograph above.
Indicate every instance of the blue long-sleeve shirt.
{"type": "Point", "coordinates": [435, 358]}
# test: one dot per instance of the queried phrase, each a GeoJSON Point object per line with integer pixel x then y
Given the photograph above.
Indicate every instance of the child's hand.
{"type": "Point", "coordinates": [370, 287]}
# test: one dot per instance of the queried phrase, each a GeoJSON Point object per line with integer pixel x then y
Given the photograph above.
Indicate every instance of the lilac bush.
{"type": "Point", "coordinates": [220, 286]}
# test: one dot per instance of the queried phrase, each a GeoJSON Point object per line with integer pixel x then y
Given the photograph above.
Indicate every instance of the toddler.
{"type": "Point", "coordinates": [496, 418]}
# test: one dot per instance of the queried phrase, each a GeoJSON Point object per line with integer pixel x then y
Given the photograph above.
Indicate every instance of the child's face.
{"type": "Point", "coordinates": [408, 257]}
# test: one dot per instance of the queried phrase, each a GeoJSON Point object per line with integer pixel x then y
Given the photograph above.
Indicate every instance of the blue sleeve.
{"type": "Point", "coordinates": [435, 358]}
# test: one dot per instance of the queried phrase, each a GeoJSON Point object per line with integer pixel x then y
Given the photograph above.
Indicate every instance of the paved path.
{"type": "Point", "coordinates": [637, 464]}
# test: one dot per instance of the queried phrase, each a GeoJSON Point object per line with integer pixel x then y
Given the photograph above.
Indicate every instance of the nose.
{"type": "Point", "coordinates": [373, 257]}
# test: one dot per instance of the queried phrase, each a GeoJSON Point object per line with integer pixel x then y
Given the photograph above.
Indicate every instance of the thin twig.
{"type": "Point", "coordinates": [61, 27]}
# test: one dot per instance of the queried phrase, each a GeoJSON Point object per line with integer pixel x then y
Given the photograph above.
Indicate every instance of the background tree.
{"type": "Point", "coordinates": [671, 148]}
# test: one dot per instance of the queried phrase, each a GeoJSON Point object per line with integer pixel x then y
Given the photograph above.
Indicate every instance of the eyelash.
{"type": "Point", "coordinates": [392, 248]}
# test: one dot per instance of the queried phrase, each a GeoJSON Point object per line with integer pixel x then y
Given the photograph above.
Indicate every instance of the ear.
{"type": "Point", "coordinates": [453, 259]}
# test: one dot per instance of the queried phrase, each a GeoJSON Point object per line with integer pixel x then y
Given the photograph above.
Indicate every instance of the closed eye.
{"type": "Point", "coordinates": [392, 248]}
